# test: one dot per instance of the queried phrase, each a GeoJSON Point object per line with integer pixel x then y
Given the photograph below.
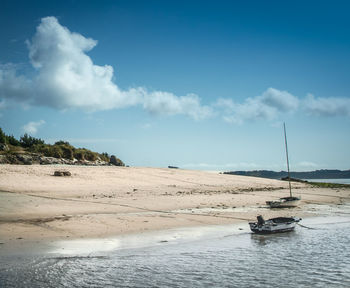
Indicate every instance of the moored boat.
{"type": "Point", "coordinates": [290, 201]}
{"type": "Point", "coordinates": [284, 202]}
{"type": "Point", "coordinates": [273, 225]}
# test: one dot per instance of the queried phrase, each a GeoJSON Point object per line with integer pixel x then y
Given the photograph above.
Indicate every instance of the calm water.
{"type": "Point", "coordinates": [318, 257]}
{"type": "Point", "coordinates": [339, 181]}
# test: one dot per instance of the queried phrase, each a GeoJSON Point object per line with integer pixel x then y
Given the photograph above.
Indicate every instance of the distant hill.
{"type": "Point", "coordinates": [318, 174]}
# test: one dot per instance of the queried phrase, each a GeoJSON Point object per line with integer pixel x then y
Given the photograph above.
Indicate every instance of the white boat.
{"type": "Point", "coordinates": [290, 201]}
{"type": "Point", "coordinates": [274, 225]}
{"type": "Point", "coordinates": [285, 202]}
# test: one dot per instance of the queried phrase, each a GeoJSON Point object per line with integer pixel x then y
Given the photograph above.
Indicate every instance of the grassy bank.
{"type": "Point", "coordinates": [328, 185]}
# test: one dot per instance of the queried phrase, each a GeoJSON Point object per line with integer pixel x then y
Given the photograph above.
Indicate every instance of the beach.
{"type": "Point", "coordinates": [105, 201]}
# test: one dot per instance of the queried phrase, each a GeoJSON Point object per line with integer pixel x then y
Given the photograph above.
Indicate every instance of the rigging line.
{"type": "Point", "coordinates": [130, 206]}
{"type": "Point", "coordinates": [285, 141]}
{"type": "Point", "coordinates": [212, 215]}
{"type": "Point", "coordinates": [311, 228]}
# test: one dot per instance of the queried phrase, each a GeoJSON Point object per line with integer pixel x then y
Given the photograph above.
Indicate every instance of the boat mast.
{"type": "Point", "coordinates": [285, 141]}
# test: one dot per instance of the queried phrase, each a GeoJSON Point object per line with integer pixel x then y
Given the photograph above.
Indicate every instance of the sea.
{"type": "Point", "coordinates": [316, 254]}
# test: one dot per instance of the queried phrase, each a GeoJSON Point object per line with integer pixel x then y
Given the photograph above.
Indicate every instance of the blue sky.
{"type": "Point", "coordinates": [196, 84]}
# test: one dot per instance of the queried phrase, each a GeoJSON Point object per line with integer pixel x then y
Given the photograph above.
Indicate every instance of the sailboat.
{"type": "Point", "coordinates": [289, 201]}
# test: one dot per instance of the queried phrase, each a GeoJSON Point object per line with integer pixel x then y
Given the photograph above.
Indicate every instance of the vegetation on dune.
{"type": "Point", "coordinates": [2, 137]}
{"type": "Point", "coordinates": [61, 149]}
{"type": "Point", "coordinates": [27, 141]}
{"type": "Point", "coordinates": [328, 185]}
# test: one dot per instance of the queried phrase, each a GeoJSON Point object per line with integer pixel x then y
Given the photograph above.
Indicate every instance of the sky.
{"type": "Point", "coordinates": [195, 84]}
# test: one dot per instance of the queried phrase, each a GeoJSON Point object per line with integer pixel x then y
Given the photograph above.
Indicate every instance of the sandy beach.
{"type": "Point", "coordinates": [97, 202]}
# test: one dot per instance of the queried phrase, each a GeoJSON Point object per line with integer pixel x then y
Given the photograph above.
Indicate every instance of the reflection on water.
{"type": "Point", "coordinates": [264, 240]}
{"type": "Point", "coordinates": [317, 257]}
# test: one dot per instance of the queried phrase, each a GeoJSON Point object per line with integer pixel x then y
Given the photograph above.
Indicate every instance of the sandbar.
{"type": "Point", "coordinates": [105, 201]}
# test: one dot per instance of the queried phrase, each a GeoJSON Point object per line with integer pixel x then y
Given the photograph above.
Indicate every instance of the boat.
{"type": "Point", "coordinates": [273, 225]}
{"type": "Point", "coordinates": [284, 202]}
{"type": "Point", "coordinates": [290, 201]}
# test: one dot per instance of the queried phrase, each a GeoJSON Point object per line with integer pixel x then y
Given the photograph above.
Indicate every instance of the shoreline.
{"type": "Point", "coordinates": [99, 247]}
{"type": "Point", "coordinates": [104, 202]}
{"type": "Point", "coordinates": [172, 236]}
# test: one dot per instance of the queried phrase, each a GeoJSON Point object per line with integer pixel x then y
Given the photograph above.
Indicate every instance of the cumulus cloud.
{"type": "Point", "coordinates": [13, 87]}
{"type": "Point", "coordinates": [271, 103]}
{"type": "Point", "coordinates": [266, 106]}
{"type": "Point", "coordinates": [66, 77]}
{"type": "Point", "coordinates": [32, 127]}
{"type": "Point", "coordinates": [280, 100]}
{"type": "Point", "coordinates": [327, 106]}
{"type": "Point", "coordinates": [165, 103]}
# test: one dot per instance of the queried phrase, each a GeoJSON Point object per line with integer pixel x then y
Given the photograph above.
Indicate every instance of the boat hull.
{"type": "Point", "coordinates": [286, 202]}
{"type": "Point", "coordinates": [274, 225]}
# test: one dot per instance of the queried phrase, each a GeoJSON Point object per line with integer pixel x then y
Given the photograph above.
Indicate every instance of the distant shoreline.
{"type": "Point", "coordinates": [317, 174]}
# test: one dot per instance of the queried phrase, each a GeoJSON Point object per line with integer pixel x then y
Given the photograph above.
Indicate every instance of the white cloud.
{"type": "Point", "coordinates": [271, 103]}
{"type": "Point", "coordinates": [13, 87]}
{"type": "Point", "coordinates": [280, 100]}
{"type": "Point", "coordinates": [66, 77]}
{"type": "Point", "coordinates": [164, 103]}
{"type": "Point", "coordinates": [327, 106]}
{"type": "Point", "coordinates": [266, 106]}
{"type": "Point", "coordinates": [32, 127]}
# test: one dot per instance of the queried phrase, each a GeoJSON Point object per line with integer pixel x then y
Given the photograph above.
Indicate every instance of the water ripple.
{"type": "Point", "coordinates": [305, 258]}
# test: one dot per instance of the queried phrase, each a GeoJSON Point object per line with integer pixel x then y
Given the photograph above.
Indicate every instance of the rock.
{"type": "Point", "coordinates": [12, 159]}
{"type": "Point", "coordinates": [25, 159]}
{"type": "Point", "coordinates": [4, 147]}
{"type": "Point", "coordinates": [34, 158]}
{"type": "Point", "coordinates": [50, 160]}
{"type": "Point", "coordinates": [62, 173]}
{"type": "Point", "coordinates": [58, 173]}
{"type": "Point", "coordinates": [4, 159]}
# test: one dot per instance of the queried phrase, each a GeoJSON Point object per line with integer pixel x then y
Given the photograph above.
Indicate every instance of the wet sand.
{"type": "Point", "coordinates": [100, 202]}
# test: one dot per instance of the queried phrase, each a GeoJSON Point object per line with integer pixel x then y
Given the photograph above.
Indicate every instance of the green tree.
{"type": "Point", "coordinates": [61, 142]}
{"type": "Point", "coordinates": [12, 140]}
{"type": "Point", "coordinates": [2, 137]}
{"type": "Point", "coordinates": [28, 141]}
{"type": "Point", "coordinates": [104, 156]}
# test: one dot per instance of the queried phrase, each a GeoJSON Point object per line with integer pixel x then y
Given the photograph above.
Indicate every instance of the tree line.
{"type": "Point", "coordinates": [61, 149]}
